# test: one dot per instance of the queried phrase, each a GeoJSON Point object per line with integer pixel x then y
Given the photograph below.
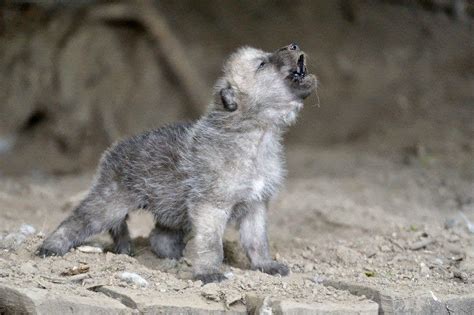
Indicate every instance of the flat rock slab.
{"type": "Point", "coordinates": [147, 302]}
{"type": "Point", "coordinates": [41, 301]}
{"type": "Point", "coordinates": [421, 302]}
{"type": "Point", "coordinates": [293, 308]}
{"type": "Point", "coordinates": [194, 304]}
{"type": "Point", "coordinates": [260, 305]}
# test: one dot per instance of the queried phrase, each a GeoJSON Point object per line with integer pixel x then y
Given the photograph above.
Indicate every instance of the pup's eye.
{"type": "Point", "coordinates": [262, 64]}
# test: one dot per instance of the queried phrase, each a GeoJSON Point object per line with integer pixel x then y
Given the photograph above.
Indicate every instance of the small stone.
{"type": "Point", "coordinates": [371, 253]}
{"type": "Point", "coordinates": [421, 244]}
{"type": "Point", "coordinates": [308, 267]}
{"type": "Point", "coordinates": [79, 278]}
{"type": "Point", "coordinates": [438, 261]}
{"type": "Point", "coordinates": [348, 255]}
{"type": "Point", "coordinates": [369, 273]}
{"type": "Point", "coordinates": [453, 238]}
{"type": "Point", "coordinates": [179, 285]}
{"type": "Point", "coordinates": [231, 297]}
{"type": "Point", "coordinates": [133, 278]}
{"type": "Point", "coordinates": [307, 255]}
{"type": "Point", "coordinates": [210, 292]}
{"type": "Point", "coordinates": [12, 241]}
{"type": "Point", "coordinates": [28, 268]}
{"type": "Point", "coordinates": [90, 249]}
{"type": "Point", "coordinates": [318, 279]}
{"type": "Point", "coordinates": [27, 229]}
{"type": "Point", "coordinates": [424, 269]}
{"type": "Point", "coordinates": [460, 275]}
{"type": "Point", "coordinates": [75, 270]}
{"type": "Point", "coordinates": [456, 253]}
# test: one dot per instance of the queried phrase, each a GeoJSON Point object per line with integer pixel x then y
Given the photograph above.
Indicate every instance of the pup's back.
{"type": "Point", "coordinates": [146, 168]}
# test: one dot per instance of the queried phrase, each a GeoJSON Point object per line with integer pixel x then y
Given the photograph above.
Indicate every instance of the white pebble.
{"type": "Point", "coordinates": [12, 241]}
{"type": "Point", "coordinates": [89, 249]}
{"type": "Point", "coordinates": [27, 229]}
{"type": "Point", "coordinates": [15, 239]}
{"type": "Point", "coordinates": [318, 279]}
{"type": "Point", "coordinates": [133, 278]}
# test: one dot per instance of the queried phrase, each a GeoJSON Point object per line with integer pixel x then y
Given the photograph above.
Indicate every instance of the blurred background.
{"type": "Point", "coordinates": [397, 76]}
{"type": "Point", "coordinates": [381, 160]}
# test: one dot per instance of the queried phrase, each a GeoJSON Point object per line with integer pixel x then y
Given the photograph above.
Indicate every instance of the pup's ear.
{"type": "Point", "coordinates": [228, 98]}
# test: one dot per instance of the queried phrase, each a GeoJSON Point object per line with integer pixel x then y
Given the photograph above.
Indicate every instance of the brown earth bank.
{"type": "Point", "coordinates": [78, 77]}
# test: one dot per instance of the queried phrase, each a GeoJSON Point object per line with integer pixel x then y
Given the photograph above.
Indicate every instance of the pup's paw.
{"type": "Point", "coordinates": [124, 249]}
{"type": "Point", "coordinates": [53, 247]}
{"type": "Point", "coordinates": [210, 277]}
{"type": "Point", "coordinates": [46, 252]}
{"type": "Point", "coordinates": [273, 268]}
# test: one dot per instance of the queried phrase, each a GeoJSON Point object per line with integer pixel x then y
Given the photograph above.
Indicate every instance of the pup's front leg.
{"type": "Point", "coordinates": [208, 223]}
{"type": "Point", "coordinates": [253, 236]}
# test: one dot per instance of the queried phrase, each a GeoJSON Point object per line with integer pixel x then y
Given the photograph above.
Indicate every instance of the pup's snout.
{"type": "Point", "coordinates": [293, 46]}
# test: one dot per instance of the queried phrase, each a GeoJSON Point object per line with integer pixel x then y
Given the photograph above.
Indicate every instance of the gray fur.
{"type": "Point", "coordinates": [196, 177]}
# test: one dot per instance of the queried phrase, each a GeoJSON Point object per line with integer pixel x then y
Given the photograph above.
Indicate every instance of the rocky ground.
{"type": "Point", "coordinates": [361, 232]}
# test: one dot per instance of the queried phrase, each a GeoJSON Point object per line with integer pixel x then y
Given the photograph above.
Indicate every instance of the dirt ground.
{"type": "Point", "coordinates": [346, 214]}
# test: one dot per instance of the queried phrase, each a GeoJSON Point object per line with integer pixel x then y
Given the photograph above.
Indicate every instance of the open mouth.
{"type": "Point", "coordinates": [297, 74]}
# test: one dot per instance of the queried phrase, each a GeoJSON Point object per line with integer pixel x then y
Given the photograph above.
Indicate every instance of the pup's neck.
{"type": "Point", "coordinates": [222, 127]}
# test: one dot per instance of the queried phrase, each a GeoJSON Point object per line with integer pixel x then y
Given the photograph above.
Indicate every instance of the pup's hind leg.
{"type": "Point", "coordinates": [121, 238]}
{"type": "Point", "coordinates": [167, 243]}
{"type": "Point", "coordinates": [94, 215]}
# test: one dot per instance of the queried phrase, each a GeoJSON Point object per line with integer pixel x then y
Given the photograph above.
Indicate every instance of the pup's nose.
{"type": "Point", "coordinates": [293, 46]}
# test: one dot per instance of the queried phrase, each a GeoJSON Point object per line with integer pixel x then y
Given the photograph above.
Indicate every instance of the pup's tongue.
{"type": "Point", "coordinates": [300, 68]}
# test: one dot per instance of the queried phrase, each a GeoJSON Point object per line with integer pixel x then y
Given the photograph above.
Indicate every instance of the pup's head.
{"type": "Point", "coordinates": [268, 88]}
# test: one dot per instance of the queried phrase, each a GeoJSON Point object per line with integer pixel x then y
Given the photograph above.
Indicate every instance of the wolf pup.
{"type": "Point", "coordinates": [196, 177]}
